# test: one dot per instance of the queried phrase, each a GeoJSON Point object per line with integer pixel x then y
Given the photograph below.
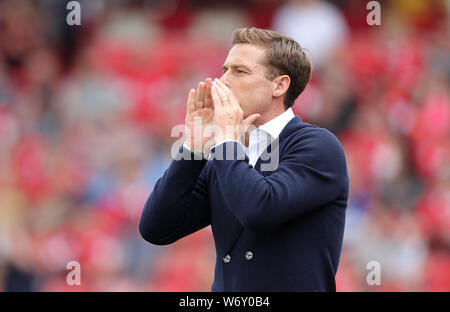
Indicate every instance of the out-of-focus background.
{"type": "Point", "coordinates": [86, 114]}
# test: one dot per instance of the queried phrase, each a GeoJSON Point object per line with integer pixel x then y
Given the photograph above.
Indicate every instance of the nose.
{"type": "Point", "coordinates": [225, 78]}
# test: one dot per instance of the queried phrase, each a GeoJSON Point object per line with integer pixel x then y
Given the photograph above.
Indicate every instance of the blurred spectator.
{"type": "Point", "coordinates": [317, 25]}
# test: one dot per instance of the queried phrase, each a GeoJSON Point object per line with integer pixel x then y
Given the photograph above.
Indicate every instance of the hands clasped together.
{"type": "Point", "coordinates": [214, 116]}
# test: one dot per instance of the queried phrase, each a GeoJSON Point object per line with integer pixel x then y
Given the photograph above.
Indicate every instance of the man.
{"type": "Point", "coordinates": [274, 230]}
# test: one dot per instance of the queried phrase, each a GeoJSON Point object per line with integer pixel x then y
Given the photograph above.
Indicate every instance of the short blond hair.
{"type": "Point", "coordinates": [284, 56]}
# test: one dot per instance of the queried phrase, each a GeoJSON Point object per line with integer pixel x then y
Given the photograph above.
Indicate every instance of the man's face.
{"type": "Point", "coordinates": [244, 74]}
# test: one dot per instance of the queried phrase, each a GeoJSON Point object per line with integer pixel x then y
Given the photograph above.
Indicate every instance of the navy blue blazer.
{"type": "Point", "coordinates": [274, 230]}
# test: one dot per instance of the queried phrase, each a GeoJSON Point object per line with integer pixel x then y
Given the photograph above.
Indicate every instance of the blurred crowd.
{"type": "Point", "coordinates": [86, 114]}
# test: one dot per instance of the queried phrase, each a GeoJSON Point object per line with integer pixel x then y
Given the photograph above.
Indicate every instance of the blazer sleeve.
{"type": "Point", "coordinates": [179, 202]}
{"type": "Point", "coordinates": [311, 173]}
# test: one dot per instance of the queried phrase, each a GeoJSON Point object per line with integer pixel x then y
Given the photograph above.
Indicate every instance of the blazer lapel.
{"type": "Point", "coordinates": [269, 159]}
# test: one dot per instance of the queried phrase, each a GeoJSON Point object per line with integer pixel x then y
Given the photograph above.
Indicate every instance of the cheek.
{"type": "Point", "coordinates": [262, 92]}
{"type": "Point", "coordinates": [252, 94]}
{"type": "Point", "coordinates": [253, 89]}
{"type": "Point", "coordinates": [256, 99]}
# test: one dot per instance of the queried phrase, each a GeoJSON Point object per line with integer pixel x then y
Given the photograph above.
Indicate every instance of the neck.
{"type": "Point", "coordinates": [267, 116]}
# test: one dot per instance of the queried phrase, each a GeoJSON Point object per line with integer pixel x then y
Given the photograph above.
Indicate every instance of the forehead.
{"type": "Point", "coordinates": [246, 54]}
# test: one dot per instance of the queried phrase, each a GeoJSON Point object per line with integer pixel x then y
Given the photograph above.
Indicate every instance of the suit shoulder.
{"type": "Point", "coordinates": [315, 137]}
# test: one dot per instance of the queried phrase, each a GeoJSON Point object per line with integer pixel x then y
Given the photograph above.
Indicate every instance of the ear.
{"type": "Point", "coordinates": [281, 85]}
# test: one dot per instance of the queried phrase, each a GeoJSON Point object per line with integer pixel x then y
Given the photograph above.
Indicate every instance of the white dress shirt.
{"type": "Point", "coordinates": [263, 136]}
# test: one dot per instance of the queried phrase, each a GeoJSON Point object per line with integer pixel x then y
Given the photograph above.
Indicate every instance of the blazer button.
{"type": "Point", "coordinates": [249, 255]}
{"type": "Point", "coordinates": [226, 259]}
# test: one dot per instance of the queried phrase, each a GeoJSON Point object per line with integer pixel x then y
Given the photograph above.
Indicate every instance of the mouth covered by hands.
{"type": "Point", "coordinates": [214, 116]}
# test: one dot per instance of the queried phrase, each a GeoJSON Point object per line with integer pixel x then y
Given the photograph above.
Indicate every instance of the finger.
{"type": "Point", "coordinates": [226, 93]}
{"type": "Point", "coordinates": [215, 97]}
{"type": "Point", "coordinates": [200, 95]}
{"type": "Point", "coordinates": [224, 88]}
{"type": "Point", "coordinates": [208, 99]}
{"type": "Point", "coordinates": [191, 101]}
{"type": "Point", "coordinates": [250, 120]}
{"type": "Point", "coordinates": [221, 94]}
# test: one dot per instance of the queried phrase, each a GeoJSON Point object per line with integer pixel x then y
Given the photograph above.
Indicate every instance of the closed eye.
{"type": "Point", "coordinates": [235, 69]}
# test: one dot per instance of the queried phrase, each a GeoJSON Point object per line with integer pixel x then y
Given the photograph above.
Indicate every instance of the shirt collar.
{"type": "Point", "coordinates": [276, 125]}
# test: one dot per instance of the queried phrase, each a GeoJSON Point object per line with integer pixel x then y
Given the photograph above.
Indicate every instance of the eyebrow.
{"type": "Point", "coordinates": [234, 66]}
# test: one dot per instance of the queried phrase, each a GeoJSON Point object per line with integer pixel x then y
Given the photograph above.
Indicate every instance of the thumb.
{"type": "Point", "coordinates": [251, 119]}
